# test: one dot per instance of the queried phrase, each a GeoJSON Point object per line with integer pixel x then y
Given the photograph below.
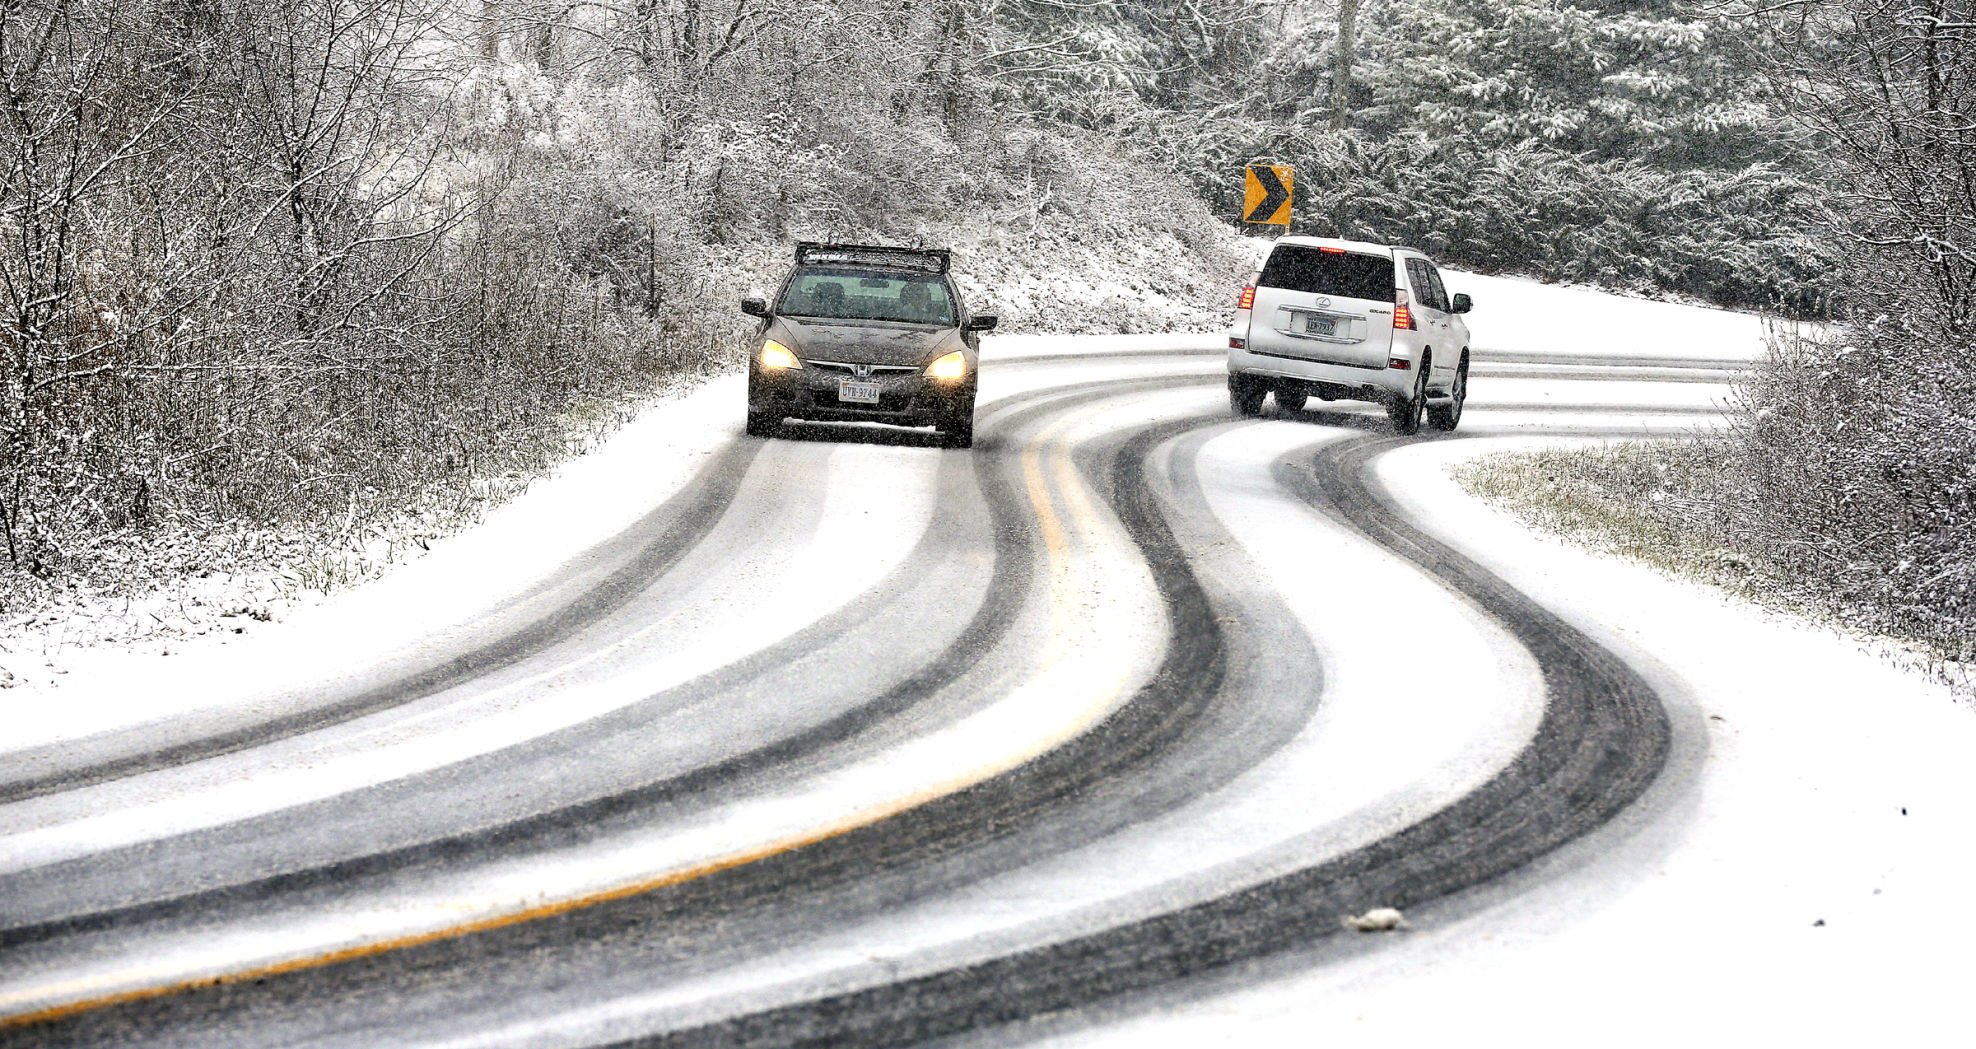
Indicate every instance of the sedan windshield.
{"type": "Point", "coordinates": [848, 294]}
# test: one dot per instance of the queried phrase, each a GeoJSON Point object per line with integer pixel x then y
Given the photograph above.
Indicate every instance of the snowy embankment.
{"type": "Point", "coordinates": [1524, 317]}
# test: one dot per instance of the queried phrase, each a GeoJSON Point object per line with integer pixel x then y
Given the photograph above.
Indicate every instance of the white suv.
{"type": "Point", "coordinates": [1348, 319]}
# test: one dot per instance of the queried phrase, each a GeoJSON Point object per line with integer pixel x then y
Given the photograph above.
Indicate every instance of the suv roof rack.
{"type": "Point", "coordinates": [932, 260]}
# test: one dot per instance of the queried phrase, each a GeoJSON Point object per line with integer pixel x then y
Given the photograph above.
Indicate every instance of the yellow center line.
{"type": "Point", "coordinates": [1063, 572]}
{"type": "Point", "coordinates": [1056, 545]}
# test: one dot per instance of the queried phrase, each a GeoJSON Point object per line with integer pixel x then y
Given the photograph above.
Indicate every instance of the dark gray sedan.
{"type": "Point", "coordinates": [866, 334]}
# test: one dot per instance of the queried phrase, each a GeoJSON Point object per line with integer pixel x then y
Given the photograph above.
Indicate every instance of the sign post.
{"type": "Point", "coordinates": [1266, 191]}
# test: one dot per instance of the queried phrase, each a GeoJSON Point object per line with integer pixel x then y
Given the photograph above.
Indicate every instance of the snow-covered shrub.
{"type": "Point", "coordinates": [494, 229]}
{"type": "Point", "coordinates": [1847, 482]}
{"type": "Point", "coordinates": [1859, 451]}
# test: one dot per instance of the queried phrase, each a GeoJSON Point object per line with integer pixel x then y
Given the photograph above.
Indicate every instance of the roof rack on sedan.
{"type": "Point", "coordinates": [932, 260]}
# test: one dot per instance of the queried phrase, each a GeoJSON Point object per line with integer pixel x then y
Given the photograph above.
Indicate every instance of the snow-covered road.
{"type": "Point", "coordinates": [1091, 735]}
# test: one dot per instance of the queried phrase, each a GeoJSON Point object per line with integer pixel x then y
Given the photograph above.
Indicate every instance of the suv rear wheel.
{"type": "Point", "coordinates": [1245, 395]}
{"type": "Point", "coordinates": [1291, 400]}
{"type": "Point", "coordinates": [1448, 416]}
{"type": "Point", "coordinates": [1406, 412]}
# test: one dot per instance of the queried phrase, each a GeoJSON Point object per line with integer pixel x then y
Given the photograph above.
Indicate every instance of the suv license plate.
{"type": "Point", "coordinates": [852, 391]}
{"type": "Point", "coordinates": [1320, 325]}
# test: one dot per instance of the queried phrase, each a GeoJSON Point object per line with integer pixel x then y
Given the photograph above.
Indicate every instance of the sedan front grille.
{"type": "Point", "coordinates": [876, 369]}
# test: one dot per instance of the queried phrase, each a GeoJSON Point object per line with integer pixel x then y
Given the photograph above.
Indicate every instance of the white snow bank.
{"type": "Point", "coordinates": [1525, 316]}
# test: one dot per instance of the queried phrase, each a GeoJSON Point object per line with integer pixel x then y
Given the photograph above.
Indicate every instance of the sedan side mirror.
{"type": "Point", "coordinates": [983, 322]}
{"type": "Point", "coordinates": [755, 307]}
{"type": "Point", "coordinates": [1463, 303]}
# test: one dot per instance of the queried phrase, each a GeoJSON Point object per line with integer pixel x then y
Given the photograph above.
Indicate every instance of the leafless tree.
{"type": "Point", "coordinates": [86, 114]}
{"type": "Point", "coordinates": [1888, 87]}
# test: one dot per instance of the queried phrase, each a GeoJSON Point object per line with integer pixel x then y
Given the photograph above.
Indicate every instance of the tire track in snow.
{"type": "Point", "coordinates": [1014, 543]}
{"type": "Point", "coordinates": [1603, 739]}
{"type": "Point", "coordinates": [641, 554]}
{"type": "Point", "coordinates": [1014, 557]}
{"type": "Point", "coordinates": [1563, 775]}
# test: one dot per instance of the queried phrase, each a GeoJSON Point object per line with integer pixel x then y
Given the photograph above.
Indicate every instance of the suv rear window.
{"type": "Point", "coordinates": [1350, 275]}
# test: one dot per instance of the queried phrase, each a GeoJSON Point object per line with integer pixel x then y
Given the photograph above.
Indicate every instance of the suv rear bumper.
{"type": "Point", "coordinates": [1361, 382]}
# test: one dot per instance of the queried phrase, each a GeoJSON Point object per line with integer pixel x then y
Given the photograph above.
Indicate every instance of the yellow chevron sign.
{"type": "Point", "coordinates": [1266, 192]}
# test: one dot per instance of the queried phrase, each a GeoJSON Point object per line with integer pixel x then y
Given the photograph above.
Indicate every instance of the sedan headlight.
{"type": "Point", "coordinates": [776, 357]}
{"type": "Point", "coordinates": [950, 367]}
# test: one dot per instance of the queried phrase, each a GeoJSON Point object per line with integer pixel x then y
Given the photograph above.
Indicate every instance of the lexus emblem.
{"type": "Point", "coordinates": [1322, 301]}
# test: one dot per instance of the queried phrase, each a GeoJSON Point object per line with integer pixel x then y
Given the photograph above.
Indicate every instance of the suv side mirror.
{"type": "Point", "coordinates": [755, 307]}
{"type": "Point", "coordinates": [983, 322]}
{"type": "Point", "coordinates": [1463, 303]}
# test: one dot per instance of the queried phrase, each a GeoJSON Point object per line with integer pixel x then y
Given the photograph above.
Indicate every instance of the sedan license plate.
{"type": "Point", "coordinates": [853, 391]}
{"type": "Point", "coordinates": [1314, 325]}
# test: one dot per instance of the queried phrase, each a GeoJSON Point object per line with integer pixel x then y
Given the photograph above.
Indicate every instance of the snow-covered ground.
{"type": "Point", "coordinates": [1796, 870]}
{"type": "Point", "coordinates": [313, 635]}
{"type": "Point", "coordinates": [1521, 316]}
{"type": "Point", "coordinates": [1798, 875]}
{"type": "Point", "coordinates": [217, 609]}
{"type": "Point", "coordinates": [100, 675]}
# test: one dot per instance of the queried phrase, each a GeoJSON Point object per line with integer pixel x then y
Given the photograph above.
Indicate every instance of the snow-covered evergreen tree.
{"type": "Point", "coordinates": [1621, 144]}
{"type": "Point", "coordinates": [1648, 82]}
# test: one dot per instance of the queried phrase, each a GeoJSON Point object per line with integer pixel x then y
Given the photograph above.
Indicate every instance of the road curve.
{"type": "Point", "coordinates": [906, 804]}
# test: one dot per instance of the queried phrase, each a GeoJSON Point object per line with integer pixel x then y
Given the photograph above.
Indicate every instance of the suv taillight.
{"type": "Point", "coordinates": [1402, 315]}
{"type": "Point", "coordinates": [1247, 301]}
